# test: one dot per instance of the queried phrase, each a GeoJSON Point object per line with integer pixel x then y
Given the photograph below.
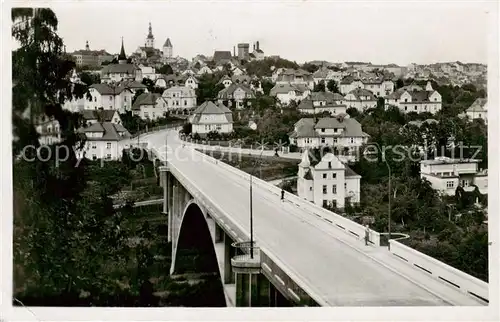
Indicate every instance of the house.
{"type": "Point", "coordinates": [360, 99]}
{"type": "Point", "coordinates": [149, 106]}
{"type": "Point", "coordinates": [257, 53]}
{"type": "Point", "coordinates": [328, 181]}
{"type": "Point", "coordinates": [221, 57]}
{"type": "Point", "coordinates": [286, 93]}
{"type": "Point", "coordinates": [342, 133]}
{"type": "Point", "coordinates": [148, 71]}
{"type": "Point", "coordinates": [319, 102]}
{"type": "Point", "coordinates": [180, 99]}
{"type": "Point", "coordinates": [110, 96]}
{"type": "Point", "coordinates": [104, 140]}
{"type": "Point", "coordinates": [377, 85]}
{"type": "Point", "coordinates": [237, 71]}
{"type": "Point", "coordinates": [120, 72]}
{"type": "Point", "coordinates": [478, 110]}
{"type": "Point", "coordinates": [91, 58]}
{"type": "Point", "coordinates": [101, 115]}
{"type": "Point", "coordinates": [165, 81]}
{"type": "Point", "coordinates": [446, 174]}
{"type": "Point", "coordinates": [204, 70]}
{"type": "Point", "coordinates": [294, 77]}
{"type": "Point", "coordinates": [49, 130]}
{"type": "Point", "coordinates": [226, 81]}
{"type": "Point", "coordinates": [415, 99]}
{"type": "Point", "coordinates": [209, 117]}
{"type": "Point", "coordinates": [237, 93]}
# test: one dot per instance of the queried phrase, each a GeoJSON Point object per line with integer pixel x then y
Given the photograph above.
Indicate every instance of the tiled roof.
{"type": "Point", "coordinates": [119, 68]}
{"type": "Point", "coordinates": [145, 99]}
{"type": "Point", "coordinates": [479, 105]}
{"type": "Point", "coordinates": [221, 55]}
{"type": "Point", "coordinates": [101, 115]}
{"type": "Point", "coordinates": [185, 91]}
{"type": "Point", "coordinates": [111, 131]}
{"type": "Point", "coordinates": [352, 128]}
{"type": "Point", "coordinates": [232, 88]}
{"type": "Point", "coordinates": [358, 92]}
{"type": "Point", "coordinates": [286, 88]}
{"type": "Point", "coordinates": [329, 161]}
{"type": "Point", "coordinates": [210, 108]}
{"type": "Point", "coordinates": [304, 128]}
{"type": "Point", "coordinates": [167, 43]}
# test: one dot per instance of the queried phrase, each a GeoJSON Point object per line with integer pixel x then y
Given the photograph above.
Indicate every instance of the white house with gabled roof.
{"type": "Point", "coordinates": [415, 99]}
{"type": "Point", "coordinates": [328, 181]}
{"type": "Point", "coordinates": [104, 140]}
{"type": "Point", "coordinates": [209, 117]}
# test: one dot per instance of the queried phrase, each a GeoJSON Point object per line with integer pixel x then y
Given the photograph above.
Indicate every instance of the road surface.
{"type": "Point", "coordinates": [333, 270]}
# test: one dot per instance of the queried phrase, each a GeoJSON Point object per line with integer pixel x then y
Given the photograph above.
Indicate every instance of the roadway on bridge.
{"type": "Point", "coordinates": [332, 270]}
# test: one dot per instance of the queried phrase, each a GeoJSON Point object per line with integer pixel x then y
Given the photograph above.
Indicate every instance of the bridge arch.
{"type": "Point", "coordinates": [193, 249]}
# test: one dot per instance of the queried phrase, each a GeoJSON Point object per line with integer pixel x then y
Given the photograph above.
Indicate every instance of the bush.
{"type": "Point", "coordinates": [196, 136]}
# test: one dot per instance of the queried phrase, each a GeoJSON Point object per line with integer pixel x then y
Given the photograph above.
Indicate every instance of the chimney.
{"type": "Point", "coordinates": [234, 51]}
{"type": "Point", "coordinates": [254, 47]}
{"type": "Point", "coordinates": [258, 45]}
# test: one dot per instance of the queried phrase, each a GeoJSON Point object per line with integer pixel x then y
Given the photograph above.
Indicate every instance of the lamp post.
{"type": "Point", "coordinates": [388, 195]}
{"type": "Point", "coordinates": [251, 203]}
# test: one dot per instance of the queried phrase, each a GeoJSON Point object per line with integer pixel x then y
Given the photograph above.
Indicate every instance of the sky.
{"type": "Point", "coordinates": [400, 32]}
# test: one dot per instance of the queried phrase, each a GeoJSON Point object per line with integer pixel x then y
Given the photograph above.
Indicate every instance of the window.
{"type": "Point", "coordinates": [334, 189]}
{"type": "Point", "coordinates": [334, 175]}
{"type": "Point", "coordinates": [323, 130]}
{"type": "Point", "coordinates": [324, 175]}
{"type": "Point", "coordinates": [95, 99]}
{"type": "Point", "coordinates": [322, 140]}
{"type": "Point", "coordinates": [185, 102]}
{"type": "Point", "coordinates": [479, 114]}
{"type": "Point", "coordinates": [325, 203]}
{"type": "Point", "coordinates": [415, 107]}
{"type": "Point", "coordinates": [449, 184]}
{"type": "Point", "coordinates": [335, 140]}
{"type": "Point", "coordinates": [329, 165]}
{"type": "Point", "coordinates": [146, 114]}
{"type": "Point", "coordinates": [406, 100]}
{"type": "Point", "coordinates": [335, 130]}
{"type": "Point", "coordinates": [108, 145]}
{"type": "Point", "coordinates": [324, 190]}
{"type": "Point", "coordinates": [94, 157]}
{"type": "Point", "coordinates": [111, 98]}
{"type": "Point", "coordinates": [352, 140]}
{"type": "Point", "coordinates": [345, 185]}
{"type": "Point", "coordinates": [94, 146]}
{"type": "Point", "coordinates": [406, 108]}
{"type": "Point", "coordinates": [108, 156]}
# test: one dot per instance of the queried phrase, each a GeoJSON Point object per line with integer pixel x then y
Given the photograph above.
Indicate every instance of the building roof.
{"type": "Point", "coordinates": [224, 93]}
{"type": "Point", "coordinates": [210, 108]}
{"type": "Point", "coordinates": [145, 99]}
{"type": "Point", "coordinates": [479, 105]}
{"type": "Point", "coordinates": [186, 91]}
{"type": "Point", "coordinates": [111, 131]}
{"type": "Point", "coordinates": [446, 160]}
{"type": "Point", "coordinates": [329, 161]}
{"type": "Point", "coordinates": [168, 43]}
{"type": "Point", "coordinates": [286, 88]}
{"type": "Point", "coordinates": [361, 92]}
{"type": "Point", "coordinates": [222, 55]}
{"type": "Point", "coordinates": [101, 115]}
{"type": "Point", "coordinates": [128, 69]}
{"type": "Point", "coordinates": [351, 127]}
{"type": "Point", "coordinates": [304, 128]}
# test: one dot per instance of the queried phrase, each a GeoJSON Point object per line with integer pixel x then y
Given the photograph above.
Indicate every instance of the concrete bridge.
{"type": "Point", "coordinates": [303, 256]}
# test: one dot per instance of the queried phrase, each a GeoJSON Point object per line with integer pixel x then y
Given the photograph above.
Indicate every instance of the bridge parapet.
{"type": "Point", "coordinates": [463, 282]}
{"type": "Point", "coordinates": [332, 218]}
{"type": "Point", "coordinates": [243, 261]}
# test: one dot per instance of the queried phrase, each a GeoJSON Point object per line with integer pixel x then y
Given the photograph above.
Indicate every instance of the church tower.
{"type": "Point", "coordinates": [167, 49]}
{"type": "Point", "coordinates": [122, 58]}
{"type": "Point", "coordinates": [150, 40]}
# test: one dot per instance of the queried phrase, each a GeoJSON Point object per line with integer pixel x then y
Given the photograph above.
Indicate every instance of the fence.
{"type": "Point", "coordinates": [245, 249]}
{"type": "Point", "coordinates": [173, 125]}
{"type": "Point", "coordinates": [466, 283]}
{"type": "Point", "coordinates": [338, 221]}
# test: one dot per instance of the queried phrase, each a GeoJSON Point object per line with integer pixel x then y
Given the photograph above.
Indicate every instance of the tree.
{"type": "Point", "coordinates": [138, 93]}
{"type": "Point", "coordinates": [208, 88]}
{"type": "Point", "coordinates": [267, 85]}
{"type": "Point", "coordinates": [319, 87]}
{"type": "Point", "coordinates": [332, 86]}
{"type": "Point", "coordinates": [90, 78]}
{"type": "Point", "coordinates": [311, 68]}
{"type": "Point", "coordinates": [166, 70]}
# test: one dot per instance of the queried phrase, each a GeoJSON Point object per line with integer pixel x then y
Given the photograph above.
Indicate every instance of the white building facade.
{"type": "Point", "coordinates": [446, 174]}
{"type": "Point", "coordinates": [328, 182]}
{"type": "Point", "coordinates": [209, 117]}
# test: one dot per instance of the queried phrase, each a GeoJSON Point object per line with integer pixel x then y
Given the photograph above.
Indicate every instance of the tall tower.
{"type": "Point", "coordinates": [87, 47]}
{"type": "Point", "coordinates": [150, 40]}
{"type": "Point", "coordinates": [167, 49]}
{"type": "Point", "coordinates": [122, 58]}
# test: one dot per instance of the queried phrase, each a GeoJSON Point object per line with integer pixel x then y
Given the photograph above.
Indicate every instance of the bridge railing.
{"type": "Point", "coordinates": [245, 249]}
{"type": "Point", "coordinates": [340, 222]}
{"type": "Point", "coordinates": [463, 282]}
